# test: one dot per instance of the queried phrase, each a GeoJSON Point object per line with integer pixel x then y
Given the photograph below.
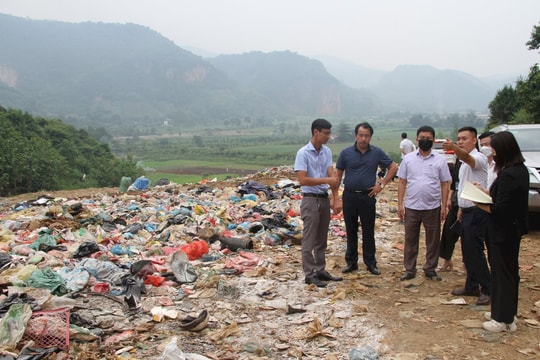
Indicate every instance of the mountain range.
{"type": "Point", "coordinates": [126, 76]}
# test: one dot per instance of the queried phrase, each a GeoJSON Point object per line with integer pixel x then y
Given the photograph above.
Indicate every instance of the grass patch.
{"type": "Point", "coordinates": [237, 154]}
{"type": "Point", "coordinates": [187, 178]}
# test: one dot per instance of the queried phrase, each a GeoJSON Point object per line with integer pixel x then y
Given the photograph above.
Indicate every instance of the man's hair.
{"type": "Point", "coordinates": [485, 135]}
{"type": "Point", "coordinates": [506, 149]}
{"type": "Point", "coordinates": [403, 135]}
{"type": "Point", "coordinates": [364, 125]}
{"type": "Point", "coordinates": [469, 128]}
{"type": "Point", "coordinates": [475, 133]}
{"type": "Point", "coordinates": [320, 124]}
{"type": "Point", "coordinates": [426, 128]}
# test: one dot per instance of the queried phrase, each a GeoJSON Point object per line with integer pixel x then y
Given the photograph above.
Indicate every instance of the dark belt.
{"type": "Point", "coordinates": [323, 195]}
{"type": "Point", "coordinates": [468, 209]}
{"type": "Point", "coordinates": [359, 192]}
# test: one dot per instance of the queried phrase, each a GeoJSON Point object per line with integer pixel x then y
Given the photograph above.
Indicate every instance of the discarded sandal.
{"type": "Point", "coordinates": [195, 324]}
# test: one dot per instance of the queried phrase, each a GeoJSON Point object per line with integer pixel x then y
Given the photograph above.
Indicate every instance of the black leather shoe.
{"type": "Point", "coordinates": [315, 281]}
{"type": "Point", "coordinates": [326, 276]}
{"type": "Point", "coordinates": [432, 275]}
{"type": "Point", "coordinates": [407, 276]}
{"type": "Point", "coordinates": [349, 268]}
{"type": "Point", "coordinates": [483, 299]}
{"type": "Point", "coordinates": [465, 292]}
{"type": "Point", "coordinates": [373, 269]}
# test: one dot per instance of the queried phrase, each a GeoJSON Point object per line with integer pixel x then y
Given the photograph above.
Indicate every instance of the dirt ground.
{"type": "Point", "coordinates": [416, 319]}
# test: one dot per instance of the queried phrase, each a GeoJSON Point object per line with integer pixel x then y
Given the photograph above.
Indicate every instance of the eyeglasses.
{"type": "Point", "coordinates": [425, 138]}
{"type": "Point", "coordinates": [326, 132]}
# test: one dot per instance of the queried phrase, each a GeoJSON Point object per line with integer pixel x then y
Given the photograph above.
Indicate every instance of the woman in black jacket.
{"type": "Point", "coordinates": [507, 223]}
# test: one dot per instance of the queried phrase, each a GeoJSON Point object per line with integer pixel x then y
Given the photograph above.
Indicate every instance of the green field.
{"type": "Point", "coordinates": [191, 158]}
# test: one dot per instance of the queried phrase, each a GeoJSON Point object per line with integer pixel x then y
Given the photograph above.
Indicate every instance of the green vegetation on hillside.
{"type": "Point", "coordinates": [519, 104]}
{"type": "Point", "coordinates": [193, 155]}
{"type": "Point", "coordinates": [46, 154]}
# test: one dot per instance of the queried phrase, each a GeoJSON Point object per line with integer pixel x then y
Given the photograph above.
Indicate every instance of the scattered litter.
{"type": "Point", "coordinates": [456, 301]}
{"type": "Point", "coordinates": [471, 323]}
{"type": "Point", "coordinates": [135, 269]}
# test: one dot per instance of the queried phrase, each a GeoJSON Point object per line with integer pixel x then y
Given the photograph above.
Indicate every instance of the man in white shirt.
{"type": "Point", "coordinates": [406, 146]}
{"type": "Point", "coordinates": [473, 220]}
{"type": "Point", "coordinates": [485, 148]}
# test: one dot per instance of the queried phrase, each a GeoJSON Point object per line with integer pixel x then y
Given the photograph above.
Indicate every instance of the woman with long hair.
{"type": "Point", "coordinates": [507, 223]}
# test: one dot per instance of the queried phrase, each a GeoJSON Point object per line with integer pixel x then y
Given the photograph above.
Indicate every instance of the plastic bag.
{"type": "Point", "coordinates": [182, 269]}
{"type": "Point", "coordinates": [195, 249]}
{"type": "Point", "coordinates": [13, 325]}
{"type": "Point", "coordinates": [172, 352]}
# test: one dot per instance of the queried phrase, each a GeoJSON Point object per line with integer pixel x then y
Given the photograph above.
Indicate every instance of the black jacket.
{"type": "Point", "coordinates": [510, 194]}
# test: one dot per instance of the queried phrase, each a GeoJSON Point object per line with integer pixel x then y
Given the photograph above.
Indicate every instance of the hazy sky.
{"type": "Point", "coordinates": [481, 37]}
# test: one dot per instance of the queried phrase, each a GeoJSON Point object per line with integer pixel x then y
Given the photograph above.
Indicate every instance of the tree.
{"type": "Point", "coordinates": [345, 133]}
{"type": "Point", "coordinates": [503, 106]}
{"type": "Point", "coordinates": [46, 154]}
{"type": "Point", "coordinates": [522, 103]}
{"type": "Point", "coordinates": [528, 93]}
{"type": "Point", "coordinates": [534, 43]}
{"type": "Point", "coordinates": [198, 140]}
{"type": "Point", "coordinates": [419, 120]}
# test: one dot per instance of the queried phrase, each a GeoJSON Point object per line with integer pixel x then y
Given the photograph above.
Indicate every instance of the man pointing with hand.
{"type": "Point", "coordinates": [473, 168]}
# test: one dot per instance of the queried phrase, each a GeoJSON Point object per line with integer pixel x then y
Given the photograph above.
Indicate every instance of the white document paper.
{"type": "Point", "coordinates": [472, 193]}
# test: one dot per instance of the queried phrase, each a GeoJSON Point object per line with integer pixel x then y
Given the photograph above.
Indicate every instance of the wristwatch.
{"type": "Point", "coordinates": [381, 185]}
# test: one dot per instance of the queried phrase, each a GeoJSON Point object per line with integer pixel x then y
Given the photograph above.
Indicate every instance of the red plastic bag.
{"type": "Point", "coordinates": [195, 249]}
{"type": "Point", "coordinates": [154, 280]}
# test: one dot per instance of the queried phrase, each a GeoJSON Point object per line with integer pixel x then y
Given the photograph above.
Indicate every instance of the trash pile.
{"type": "Point", "coordinates": [173, 261]}
{"type": "Point", "coordinates": [200, 271]}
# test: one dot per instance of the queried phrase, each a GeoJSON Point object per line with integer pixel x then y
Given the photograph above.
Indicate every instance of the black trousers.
{"type": "Point", "coordinates": [504, 259]}
{"type": "Point", "coordinates": [473, 239]}
{"type": "Point", "coordinates": [449, 237]}
{"type": "Point", "coordinates": [361, 206]}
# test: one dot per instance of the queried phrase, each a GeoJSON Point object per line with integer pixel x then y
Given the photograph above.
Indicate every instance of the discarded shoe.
{"type": "Point", "coordinates": [465, 292]}
{"type": "Point", "coordinates": [432, 275]}
{"type": "Point", "coordinates": [315, 281]}
{"type": "Point", "coordinates": [373, 269]}
{"type": "Point", "coordinates": [191, 323]}
{"type": "Point", "coordinates": [407, 276]}
{"type": "Point", "coordinates": [495, 326]}
{"type": "Point", "coordinates": [293, 310]}
{"type": "Point", "coordinates": [326, 276]}
{"type": "Point", "coordinates": [483, 299]}
{"type": "Point", "coordinates": [349, 268]}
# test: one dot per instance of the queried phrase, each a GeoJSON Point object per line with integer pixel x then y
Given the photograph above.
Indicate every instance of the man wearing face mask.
{"type": "Point", "coordinates": [485, 148]}
{"type": "Point", "coordinates": [425, 177]}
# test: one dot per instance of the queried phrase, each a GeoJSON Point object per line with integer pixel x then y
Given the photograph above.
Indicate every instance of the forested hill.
{"type": "Point", "coordinates": [125, 76]}
{"type": "Point", "coordinates": [130, 80]}
{"type": "Point", "coordinates": [106, 74]}
{"type": "Point", "coordinates": [46, 154]}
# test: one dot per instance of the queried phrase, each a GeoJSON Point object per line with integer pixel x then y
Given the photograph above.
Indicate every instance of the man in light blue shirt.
{"type": "Point", "coordinates": [313, 166]}
{"type": "Point", "coordinates": [425, 178]}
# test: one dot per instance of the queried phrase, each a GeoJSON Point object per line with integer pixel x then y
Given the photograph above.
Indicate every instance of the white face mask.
{"type": "Point", "coordinates": [486, 150]}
